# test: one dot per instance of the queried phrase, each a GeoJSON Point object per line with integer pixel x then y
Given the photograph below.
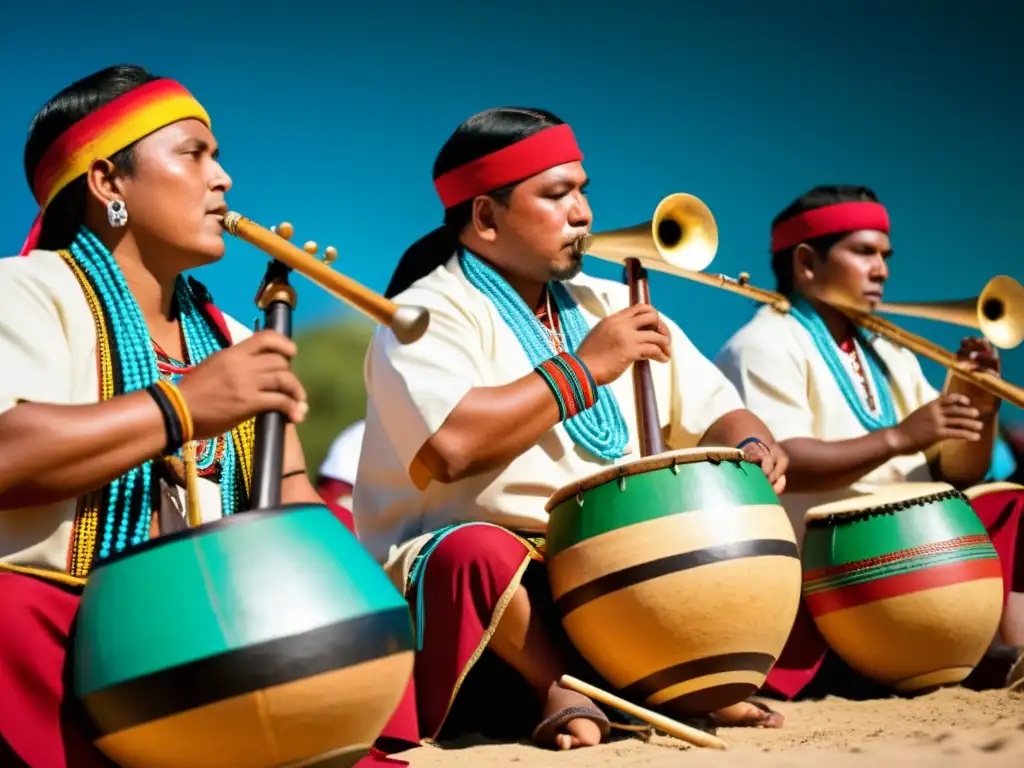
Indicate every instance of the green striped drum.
{"type": "Point", "coordinates": [904, 585]}
{"type": "Point", "coordinates": [676, 576]}
{"type": "Point", "coordinates": [268, 638]}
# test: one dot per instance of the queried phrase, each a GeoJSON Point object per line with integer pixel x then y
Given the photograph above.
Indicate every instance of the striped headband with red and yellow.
{"type": "Point", "coordinates": [107, 131]}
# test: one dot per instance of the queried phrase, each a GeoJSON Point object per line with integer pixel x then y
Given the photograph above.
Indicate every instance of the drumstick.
{"type": "Point", "coordinates": [672, 727]}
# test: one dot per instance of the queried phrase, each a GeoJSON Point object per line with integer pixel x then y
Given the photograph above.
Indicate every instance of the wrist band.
{"type": "Point", "coordinates": [750, 440]}
{"type": "Point", "coordinates": [172, 422]}
{"type": "Point", "coordinates": [570, 382]}
{"type": "Point", "coordinates": [180, 407]}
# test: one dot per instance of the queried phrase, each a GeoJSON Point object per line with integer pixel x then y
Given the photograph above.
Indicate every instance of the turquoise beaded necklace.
{"type": "Point", "coordinates": [829, 350]}
{"type": "Point", "coordinates": [130, 498]}
{"type": "Point", "coordinates": [600, 430]}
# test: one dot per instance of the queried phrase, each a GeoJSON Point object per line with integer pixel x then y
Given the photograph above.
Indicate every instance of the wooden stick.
{"type": "Point", "coordinates": [672, 727]}
{"type": "Point", "coordinates": [647, 421]}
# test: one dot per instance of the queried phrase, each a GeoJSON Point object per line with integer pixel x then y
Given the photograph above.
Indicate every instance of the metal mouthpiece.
{"type": "Point", "coordinates": [583, 244]}
{"type": "Point", "coordinates": [230, 222]}
{"type": "Point", "coordinates": [409, 323]}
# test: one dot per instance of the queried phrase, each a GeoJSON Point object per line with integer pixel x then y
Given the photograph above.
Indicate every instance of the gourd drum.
{"type": "Point", "coordinates": [905, 585]}
{"type": "Point", "coordinates": [676, 576]}
{"type": "Point", "coordinates": [268, 638]}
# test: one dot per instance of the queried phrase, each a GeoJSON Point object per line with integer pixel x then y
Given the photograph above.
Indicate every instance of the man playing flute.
{"type": "Point", "coordinates": [853, 411]}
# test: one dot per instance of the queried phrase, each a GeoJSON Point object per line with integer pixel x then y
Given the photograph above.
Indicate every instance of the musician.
{"type": "Point", "coordinates": [111, 362]}
{"type": "Point", "coordinates": [855, 413]}
{"type": "Point", "coordinates": [516, 389]}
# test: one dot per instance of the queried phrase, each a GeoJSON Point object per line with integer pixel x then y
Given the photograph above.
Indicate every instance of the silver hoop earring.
{"type": "Point", "coordinates": [117, 213]}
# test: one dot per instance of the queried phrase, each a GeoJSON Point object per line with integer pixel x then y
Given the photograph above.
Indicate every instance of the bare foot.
{"type": "Point", "coordinates": [569, 720]}
{"type": "Point", "coordinates": [747, 714]}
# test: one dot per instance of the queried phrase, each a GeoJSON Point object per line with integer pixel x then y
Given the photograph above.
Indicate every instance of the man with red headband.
{"type": "Point", "coordinates": [122, 384]}
{"type": "Point", "coordinates": [516, 389]}
{"type": "Point", "coordinates": [856, 413]}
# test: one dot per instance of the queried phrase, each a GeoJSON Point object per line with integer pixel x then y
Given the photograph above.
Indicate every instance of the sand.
{"type": "Point", "coordinates": [952, 727]}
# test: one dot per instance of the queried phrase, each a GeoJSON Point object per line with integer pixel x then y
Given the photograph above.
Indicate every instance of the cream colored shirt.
{"type": "Point", "coordinates": [784, 380]}
{"type": "Point", "coordinates": [48, 355]}
{"type": "Point", "coordinates": [413, 388]}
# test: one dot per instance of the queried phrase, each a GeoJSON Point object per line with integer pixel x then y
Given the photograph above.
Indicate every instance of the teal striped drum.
{"type": "Point", "coordinates": [676, 576]}
{"type": "Point", "coordinates": [268, 638]}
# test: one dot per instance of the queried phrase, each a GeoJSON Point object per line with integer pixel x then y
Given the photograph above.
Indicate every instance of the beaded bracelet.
{"type": "Point", "coordinates": [570, 382]}
{"type": "Point", "coordinates": [172, 423]}
{"type": "Point", "coordinates": [180, 407]}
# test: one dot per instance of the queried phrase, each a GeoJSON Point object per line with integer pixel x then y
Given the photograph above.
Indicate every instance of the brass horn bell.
{"type": "Point", "coordinates": [997, 312]}
{"type": "Point", "coordinates": [680, 239]}
{"type": "Point", "coordinates": [682, 233]}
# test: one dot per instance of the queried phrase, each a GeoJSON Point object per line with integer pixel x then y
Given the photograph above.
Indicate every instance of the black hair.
{"type": "Point", "coordinates": [480, 135]}
{"type": "Point", "coordinates": [66, 212]}
{"type": "Point", "coordinates": [819, 197]}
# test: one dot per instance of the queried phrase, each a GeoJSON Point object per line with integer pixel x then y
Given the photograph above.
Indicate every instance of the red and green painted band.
{"type": "Point", "coordinates": [963, 547]}
{"type": "Point", "coordinates": [660, 493]}
{"type": "Point", "coordinates": [843, 539]}
{"type": "Point", "coordinates": [214, 591]}
{"type": "Point", "coordinates": [903, 583]}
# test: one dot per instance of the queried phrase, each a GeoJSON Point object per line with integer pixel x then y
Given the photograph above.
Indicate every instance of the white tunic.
{"type": "Point", "coordinates": [784, 380]}
{"type": "Point", "coordinates": [413, 388]}
{"type": "Point", "coordinates": [48, 355]}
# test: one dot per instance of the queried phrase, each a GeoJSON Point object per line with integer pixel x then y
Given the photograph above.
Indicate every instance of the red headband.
{"type": "Point", "coordinates": [544, 149]}
{"type": "Point", "coordinates": [829, 220]}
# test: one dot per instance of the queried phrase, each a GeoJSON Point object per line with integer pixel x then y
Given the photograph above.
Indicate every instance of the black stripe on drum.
{"type": "Point", "coordinates": [247, 670]}
{"type": "Point", "coordinates": [746, 661]}
{"type": "Point", "coordinates": [653, 569]}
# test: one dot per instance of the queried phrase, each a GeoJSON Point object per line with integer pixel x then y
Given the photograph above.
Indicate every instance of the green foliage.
{"type": "Point", "coordinates": [330, 366]}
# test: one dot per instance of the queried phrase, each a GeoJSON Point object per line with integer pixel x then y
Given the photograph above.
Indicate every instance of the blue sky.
{"type": "Point", "coordinates": [331, 118]}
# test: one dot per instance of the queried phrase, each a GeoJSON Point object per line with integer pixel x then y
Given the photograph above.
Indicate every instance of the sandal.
{"type": "Point", "coordinates": [545, 733]}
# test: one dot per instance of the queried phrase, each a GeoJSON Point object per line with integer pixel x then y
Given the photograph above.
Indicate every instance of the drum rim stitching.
{"type": "Point", "coordinates": [617, 471]}
{"type": "Point", "coordinates": [886, 509]}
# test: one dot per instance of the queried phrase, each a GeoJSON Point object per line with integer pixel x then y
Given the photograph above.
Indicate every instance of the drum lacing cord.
{"type": "Point", "coordinates": [892, 507]}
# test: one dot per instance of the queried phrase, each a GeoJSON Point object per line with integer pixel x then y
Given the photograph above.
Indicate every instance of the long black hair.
{"type": "Point", "coordinates": [67, 211]}
{"type": "Point", "coordinates": [819, 197]}
{"type": "Point", "coordinates": [480, 135]}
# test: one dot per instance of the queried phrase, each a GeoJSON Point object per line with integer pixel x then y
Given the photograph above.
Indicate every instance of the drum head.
{"type": "Point", "coordinates": [866, 502]}
{"type": "Point", "coordinates": [639, 466]}
{"type": "Point", "coordinates": [977, 491]}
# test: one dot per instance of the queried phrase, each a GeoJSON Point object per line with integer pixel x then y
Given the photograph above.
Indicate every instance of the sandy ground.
{"type": "Point", "coordinates": [952, 727]}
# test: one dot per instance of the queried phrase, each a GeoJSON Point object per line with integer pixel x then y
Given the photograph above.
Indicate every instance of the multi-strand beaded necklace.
{"type": "Point", "coordinates": [600, 430]}
{"type": "Point", "coordinates": [872, 418]}
{"type": "Point", "coordinates": [118, 516]}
